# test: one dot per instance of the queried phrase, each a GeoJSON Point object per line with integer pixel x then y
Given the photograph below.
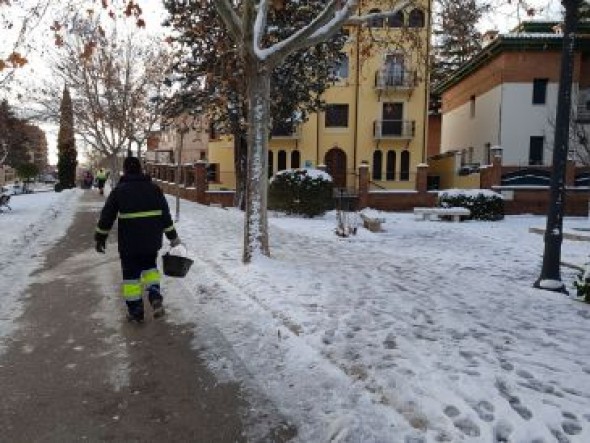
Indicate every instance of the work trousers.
{"type": "Point", "coordinates": [140, 272]}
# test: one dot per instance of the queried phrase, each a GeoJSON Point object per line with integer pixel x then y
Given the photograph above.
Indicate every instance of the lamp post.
{"type": "Point", "coordinates": [550, 278]}
{"type": "Point", "coordinates": [182, 128]}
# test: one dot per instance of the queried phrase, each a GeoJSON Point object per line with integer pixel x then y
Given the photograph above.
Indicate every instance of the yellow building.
{"type": "Point", "coordinates": [376, 113]}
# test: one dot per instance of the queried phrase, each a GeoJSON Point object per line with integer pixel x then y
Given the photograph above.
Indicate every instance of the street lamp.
{"type": "Point", "coordinates": [550, 278]}
{"type": "Point", "coordinates": [182, 127]}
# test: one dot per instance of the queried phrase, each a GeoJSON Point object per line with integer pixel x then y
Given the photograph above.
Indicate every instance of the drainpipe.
{"type": "Point", "coordinates": [356, 99]}
{"type": "Point", "coordinates": [426, 84]}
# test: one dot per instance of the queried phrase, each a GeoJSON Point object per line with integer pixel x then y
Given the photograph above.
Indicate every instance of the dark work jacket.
{"type": "Point", "coordinates": [143, 215]}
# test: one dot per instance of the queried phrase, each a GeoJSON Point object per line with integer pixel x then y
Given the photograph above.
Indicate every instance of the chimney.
{"type": "Point", "coordinates": [488, 37]}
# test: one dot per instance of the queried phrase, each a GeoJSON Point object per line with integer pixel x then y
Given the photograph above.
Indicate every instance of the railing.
{"type": "Point", "coordinates": [286, 131]}
{"type": "Point", "coordinates": [395, 80]}
{"type": "Point", "coordinates": [394, 129]}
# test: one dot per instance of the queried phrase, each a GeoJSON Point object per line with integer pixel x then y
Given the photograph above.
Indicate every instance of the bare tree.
{"type": "Point", "coordinates": [112, 79]}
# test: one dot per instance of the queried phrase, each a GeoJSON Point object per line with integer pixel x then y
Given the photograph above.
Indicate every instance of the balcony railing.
{"type": "Point", "coordinates": [286, 131]}
{"type": "Point", "coordinates": [394, 129]}
{"type": "Point", "coordinates": [395, 80]}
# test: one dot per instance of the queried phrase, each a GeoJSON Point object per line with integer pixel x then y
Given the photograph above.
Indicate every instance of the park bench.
{"type": "Point", "coordinates": [373, 224]}
{"type": "Point", "coordinates": [4, 200]}
{"type": "Point", "coordinates": [455, 213]}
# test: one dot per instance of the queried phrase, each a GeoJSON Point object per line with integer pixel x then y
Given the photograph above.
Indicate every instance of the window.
{"type": "Point", "coordinates": [337, 116]}
{"type": "Point", "coordinates": [377, 164]}
{"type": "Point", "coordinates": [375, 22]}
{"type": "Point", "coordinates": [472, 106]}
{"type": "Point", "coordinates": [392, 119]}
{"type": "Point", "coordinates": [540, 91]}
{"type": "Point", "coordinates": [213, 172]}
{"type": "Point", "coordinates": [390, 166]}
{"type": "Point", "coordinates": [295, 159]}
{"type": "Point", "coordinates": [416, 19]}
{"type": "Point", "coordinates": [396, 21]}
{"type": "Point", "coordinates": [340, 70]}
{"type": "Point", "coordinates": [281, 160]}
{"type": "Point", "coordinates": [536, 150]}
{"type": "Point", "coordinates": [394, 69]}
{"type": "Point", "coordinates": [212, 131]}
{"type": "Point", "coordinates": [270, 162]}
{"type": "Point", "coordinates": [404, 173]}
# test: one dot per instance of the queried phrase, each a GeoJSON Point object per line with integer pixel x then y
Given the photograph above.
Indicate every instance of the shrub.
{"type": "Point", "coordinates": [58, 187]}
{"type": "Point", "coordinates": [483, 204]}
{"type": "Point", "coordinates": [582, 284]}
{"type": "Point", "coordinates": [307, 192]}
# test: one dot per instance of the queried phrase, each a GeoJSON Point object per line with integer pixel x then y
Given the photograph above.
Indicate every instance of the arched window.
{"type": "Point", "coordinates": [375, 22]}
{"type": "Point", "coordinates": [377, 165]}
{"type": "Point", "coordinates": [295, 159]}
{"type": "Point", "coordinates": [282, 160]}
{"type": "Point", "coordinates": [396, 21]}
{"type": "Point", "coordinates": [404, 172]}
{"type": "Point", "coordinates": [416, 19]}
{"type": "Point", "coordinates": [390, 166]}
{"type": "Point", "coordinates": [270, 161]}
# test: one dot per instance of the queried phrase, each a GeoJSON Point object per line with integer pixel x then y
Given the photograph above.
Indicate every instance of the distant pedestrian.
{"type": "Point", "coordinates": [101, 178]}
{"type": "Point", "coordinates": [144, 216]}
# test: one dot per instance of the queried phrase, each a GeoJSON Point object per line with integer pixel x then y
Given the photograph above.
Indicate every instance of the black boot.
{"type": "Point", "coordinates": [135, 311]}
{"type": "Point", "coordinates": [156, 300]}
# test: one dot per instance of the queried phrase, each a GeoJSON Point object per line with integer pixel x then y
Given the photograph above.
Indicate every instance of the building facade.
{"type": "Point", "coordinates": [376, 113]}
{"type": "Point", "coordinates": [506, 97]}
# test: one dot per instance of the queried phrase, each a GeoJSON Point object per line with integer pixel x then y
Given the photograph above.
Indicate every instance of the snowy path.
{"type": "Point", "coordinates": [434, 327]}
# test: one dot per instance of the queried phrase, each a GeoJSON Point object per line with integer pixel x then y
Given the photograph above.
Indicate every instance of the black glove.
{"type": "Point", "coordinates": [101, 244]}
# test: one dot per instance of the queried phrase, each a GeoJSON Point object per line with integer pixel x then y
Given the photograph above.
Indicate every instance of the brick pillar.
{"type": "Point", "coordinates": [201, 181]}
{"type": "Point", "coordinates": [491, 175]}
{"type": "Point", "coordinates": [363, 186]}
{"type": "Point", "coordinates": [570, 173]}
{"type": "Point", "coordinates": [422, 177]}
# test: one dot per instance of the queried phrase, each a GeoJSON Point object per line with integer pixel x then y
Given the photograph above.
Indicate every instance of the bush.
{"type": "Point", "coordinates": [483, 204]}
{"type": "Point", "coordinates": [307, 192]}
{"type": "Point", "coordinates": [58, 187]}
{"type": "Point", "coordinates": [582, 285]}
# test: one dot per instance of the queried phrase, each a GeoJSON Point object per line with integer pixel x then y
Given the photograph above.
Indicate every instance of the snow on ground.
{"type": "Point", "coordinates": [34, 224]}
{"type": "Point", "coordinates": [430, 331]}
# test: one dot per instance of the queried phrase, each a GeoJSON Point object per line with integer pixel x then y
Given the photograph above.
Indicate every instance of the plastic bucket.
{"type": "Point", "coordinates": [175, 265]}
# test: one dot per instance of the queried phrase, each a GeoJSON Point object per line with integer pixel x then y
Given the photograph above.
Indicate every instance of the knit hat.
{"type": "Point", "coordinates": [131, 165]}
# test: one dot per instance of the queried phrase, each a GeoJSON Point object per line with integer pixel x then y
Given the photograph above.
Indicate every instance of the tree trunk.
{"type": "Point", "coordinates": [256, 221]}
{"type": "Point", "coordinates": [240, 164]}
{"type": "Point", "coordinates": [114, 177]}
{"type": "Point", "coordinates": [550, 277]}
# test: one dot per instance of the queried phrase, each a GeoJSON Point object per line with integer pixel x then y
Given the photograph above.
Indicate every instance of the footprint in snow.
{"type": "Point", "coordinates": [484, 410]}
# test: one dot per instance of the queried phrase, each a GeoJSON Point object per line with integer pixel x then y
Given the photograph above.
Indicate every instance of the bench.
{"type": "Point", "coordinates": [455, 213]}
{"type": "Point", "coordinates": [373, 224]}
{"type": "Point", "coordinates": [4, 199]}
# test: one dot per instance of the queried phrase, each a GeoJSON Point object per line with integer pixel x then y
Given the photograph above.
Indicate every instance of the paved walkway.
{"type": "Point", "coordinates": [77, 371]}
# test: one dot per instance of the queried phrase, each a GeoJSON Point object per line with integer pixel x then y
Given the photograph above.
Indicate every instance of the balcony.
{"type": "Point", "coordinates": [286, 131]}
{"type": "Point", "coordinates": [394, 129]}
{"type": "Point", "coordinates": [395, 80]}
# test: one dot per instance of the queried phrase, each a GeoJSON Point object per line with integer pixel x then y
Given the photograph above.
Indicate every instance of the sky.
{"type": "Point", "coordinates": [428, 331]}
{"type": "Point", "coordinates": [42, 44]}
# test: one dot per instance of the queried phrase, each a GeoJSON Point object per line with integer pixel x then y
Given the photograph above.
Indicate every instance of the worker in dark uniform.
{"type": "Point", "coordinates": [144, 216]}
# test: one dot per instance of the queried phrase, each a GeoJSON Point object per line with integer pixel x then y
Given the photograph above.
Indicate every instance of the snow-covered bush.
{"type": "Point", "coordinates": [301, 191]}
{"type": "Point", "coordinates": [483, 203]}
{"type": "Point", "coordinates": [582, 284]}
